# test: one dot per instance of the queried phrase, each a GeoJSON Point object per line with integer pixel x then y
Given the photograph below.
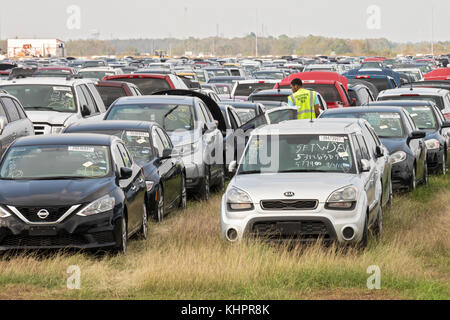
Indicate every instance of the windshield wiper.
{"type": "Point", "coordinates": [168, 114]}
{"type": "Point", "coordinates": [59, 178]}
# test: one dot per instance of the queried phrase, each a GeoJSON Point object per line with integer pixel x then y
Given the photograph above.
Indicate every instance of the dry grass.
{"type": "Point", "coordinates": [185, 258]}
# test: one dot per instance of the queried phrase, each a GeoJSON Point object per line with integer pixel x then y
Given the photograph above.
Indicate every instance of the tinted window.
{"type": "Point", "coordinates": [92, 106]}
{"type": "Point", "coordinates": [147, 86]}
{"type": "Point", "coordinates": [20, 109]}
{"type": "Point", "coordinates": [111, 94]}
{"type": "Point", "coordinates": [11, 109]}
{"type": "Point", "coordinates": [363, 148]}
{"type": "Point", "coordinates": [118, 157]}
{"type": "Point", "coordinates": [159, 145]}
{"type": "Point", "coordinates": [125, 156]}
{"type": "Point", "coordinates": [2, 112]}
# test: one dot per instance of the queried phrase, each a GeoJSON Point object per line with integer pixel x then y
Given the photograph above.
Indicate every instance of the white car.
{"type": "Point", "coordinates": [304, 181]}
{"type": "Point", "coordinates": [55, 103]}
{"type": "Point", "coordinates": [100, 72]}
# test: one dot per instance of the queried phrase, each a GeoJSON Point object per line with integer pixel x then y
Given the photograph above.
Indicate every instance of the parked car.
{"type": "Point", "coordinates": [428, 118]}
{"type": "Point", "coordinates": [270, 75]}
{"type": "Point", "coordinates": [14, 123]}
{"type": "Point", "coordinates": [57, 72]}
{"type": "Point", "coordinates": [247, 110]}
{"type": "Point", "coordinates": [192, 129]}
{"type": "Point", "coordinates": [151, 83]}
{"type": "Point", "coordinates": [440, 97]}
{"type": "Point", "coordinates": [360, 95]}
{"type": "Point", "coordinates": [230, 143]}
{"type": "Point", "coordinates": [54, 103]}
{"type": "Point", "coordinates": [438, 74]}
{"type": "Point", "coordinates": [317, 186]}
{"type": "Point", "coordinates": [99, 73]}
{"type": "Point", "coordinates": [110, 91]}
{"type": "Point", "coordinates": [152, 149]}
{"type": "Point", "coordinates": [82, 191]}
{"type": "Point", "coordinates": [228, 80]}
{"type": "Point", "coordinates": [243, 89]}
{"type": "Point", "coordinates": [397, 131]}
{"type": "Point", "coordinates": [383, 79]}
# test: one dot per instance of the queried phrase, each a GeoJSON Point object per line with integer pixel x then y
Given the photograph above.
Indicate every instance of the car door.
{"type": "Point", "coordinates": [7, 135]}
{"type": "Point", "coordinates": [213, 142]}
{"type": "Point", "coordinates": [445, 132]}
{"type": "Point", "coordinates": [277, 116]}
{"type": "Point", "coordinates": [417, 146]}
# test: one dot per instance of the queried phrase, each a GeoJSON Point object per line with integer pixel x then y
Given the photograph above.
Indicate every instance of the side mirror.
{"type": "Point", "coordinates": [85, 112]}
{"type": "Point", "coordinates": [125, 173]}
{"type": "Point", "coordinates": [417, 135]}
{"type": "Point", "coordinates": [365, 165]}
{"type": "Point", "coordinates": [167, 154]}
{"type": "Point", "coordinates": [232, 167]}
{"type": "Point", "coordinates": [3, 123]}
{"type": "Point", "coordinates": [379, 152]}
{"type": "Point", "coordinates": [446, 125]}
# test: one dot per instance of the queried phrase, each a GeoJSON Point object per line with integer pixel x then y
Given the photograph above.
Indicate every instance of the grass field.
{"type": "Point", "coordinates": [185, 258]}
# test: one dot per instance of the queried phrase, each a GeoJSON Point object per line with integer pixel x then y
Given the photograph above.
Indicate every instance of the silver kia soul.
{"type": "Point", "coordinates": [303, 181]}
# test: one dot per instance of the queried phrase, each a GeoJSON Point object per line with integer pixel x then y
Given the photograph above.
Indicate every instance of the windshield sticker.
{"type": "Point", "coordinates": [331, 139]}
{"type": "Point", "coordinates": [384, 127]}
{"type": "Point", "coordinates": [420, 109]}
{"type": "Point", "coordinates": [138, 134]}
{"type": "Point", "coordinates": [413, 115]}
{"type": "Point", "coordinates": [141, 141]}
{"type": "Point", "coordinates": [88, 164]}
{"type": "Point", "coordinates": [389, 116]}
{"type": "Point", "coordinates": [343, 154]}
{"type": "Point", "coordinates": [62, 89]}
{"type": "Point", "coordinates": [81, 149]}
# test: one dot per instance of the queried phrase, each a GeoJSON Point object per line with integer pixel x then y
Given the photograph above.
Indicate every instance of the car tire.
{"type": "Point", "coordinates": [443, 169]}
{"type": "Point", "coordinates": [143, 232]}
{"type": "Point", "coordinates": [183, 202]}
{"type": "Point", "coordinates": [205, 191]}
{"type": "Point", "coordinates": [365, 238]}
{"type": "Point", "coordinates": [412, 183]}
{"type": "Point", "coordinates": [123, 245]}
{"type": "Point", "coordinates": [378, 227]}
{"type": "Point", "coordinates": [160, 211]}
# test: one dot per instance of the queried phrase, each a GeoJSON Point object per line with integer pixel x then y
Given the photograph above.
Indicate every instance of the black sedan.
{"type": "Point", "coordinates": [429, 118]}
{"type": "Point", "coordinates": [70, 191]}
{"type": "Point", "coordinates": [152, 149]}
{"type": "Point", "coordinates": [397, 131]}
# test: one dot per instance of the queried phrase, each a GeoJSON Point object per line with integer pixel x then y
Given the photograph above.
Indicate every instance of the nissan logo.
{"type": "Point", "coordinates": [43, 214]}
{"type": "Point", "coordinates": [289, 194]}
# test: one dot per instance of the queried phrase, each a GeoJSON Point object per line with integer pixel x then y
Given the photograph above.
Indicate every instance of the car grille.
{"type": "Point", "coordinates": [44, 241]}
{"type": "Point", "coordinates": [31, 214]}
{"type": "Point", "coordinates": [274, 205]}
{"type": "Point", "coordinates": [303, 230]}
{"type": "Point", "coordinates": [41, 129]}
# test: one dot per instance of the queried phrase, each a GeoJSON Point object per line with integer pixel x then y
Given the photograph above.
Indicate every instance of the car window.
{"type": "Point", "coordinates": [125, 156]}
{"type": "Point", "coordinates": [282, 115]}
{"type": "Point", "coordinates": [236, 118]}
{"type": "Point", "coordinates": [159, 145]}
{"type": "Point", "coordinates": [92, 106]}
{"type": "Point", "coordinates": [409, 123]}
{"type": "Point", "coordinates": [3, 113]}
{"type": "Point", "coordinates": [11, 109]}
{"type": "Point", "coordinates": [118, 157]}
{"type": "Point", "coordinates": [96, 95]}
{"type": "Point", "coordinates": [165, 140]}
{"type": "Point", "coordinates": [363, 147]}
{"type": "Point", "coordinates": [110, 94]}
{"type": "Point", "coordinates": [201, 113]}
{"type": "Point", "coordinates": [232, 120]}
{"type": "Point", "coordinates": [20, 109]}
{"type": "Point", "coordinates": [357, 149]}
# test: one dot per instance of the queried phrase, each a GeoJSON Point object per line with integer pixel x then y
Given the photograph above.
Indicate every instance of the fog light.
{"type": "Point", "coordinates": [232, 235]}
{"type": "Point", "coordinates": [348, 233]}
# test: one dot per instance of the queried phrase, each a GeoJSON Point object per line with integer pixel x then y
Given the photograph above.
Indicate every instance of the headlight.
{"type": "Point", "coordinates": [344, 198]}
{"type": "Point", "coordinates": [4, 213]}
{"type": "Point", "coordinates": [432, 144]}
{"type": "Point", "coordinates": [188, 149]}
{"type": "Point", "coordinates": [57, 130]}
{"type": "Point", "coordinates": [239, 200]}
{"type": "Point", "coordinates": [397, 157]}
{"type": "Point", "coordinates": [103, 204]}
{"type": "Point", "coordinates": [150, 185]}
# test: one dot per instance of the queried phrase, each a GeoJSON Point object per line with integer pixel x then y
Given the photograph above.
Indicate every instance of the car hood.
{"type": "Point", "coordinates": [394, 145]}
{"type": "Point", "coordinates": [54, 192]}
{"type": "Point", "coordinates": [51, 117]}
{"type": "Point", "coordinates": [307, 186]}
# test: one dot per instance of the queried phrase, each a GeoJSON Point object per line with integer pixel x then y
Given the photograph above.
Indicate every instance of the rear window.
{"type": "Point", "coordinates": [110, 94]}
{"type": "Point", "coordinates": [380, 83]}
{"type": "Point", "coordinates": [147, 86]}
{"type": "Point", "coordinates": [247, 89]}
{"type": "Point", "coordinates": [438, 100]}
{"type": "Point", "coordinates": [270, 98]}
{"type": "Point", "coordinates": [328, 91]}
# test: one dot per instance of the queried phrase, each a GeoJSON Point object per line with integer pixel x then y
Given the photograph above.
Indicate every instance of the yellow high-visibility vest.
{"type": "Point", "coordinates": [304, 100]}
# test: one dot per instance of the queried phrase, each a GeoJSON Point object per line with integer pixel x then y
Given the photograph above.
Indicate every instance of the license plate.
{"type": "Point", "coordinates": [42, 231]}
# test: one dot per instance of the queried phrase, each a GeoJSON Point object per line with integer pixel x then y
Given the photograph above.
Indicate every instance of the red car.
{"type": "Point", "coordinates": [332, 86]}
{"type": "Point", "coordinates": [149, 84]}
{"type": "Point", "coordinates": [438, 74]}
{"type": "Point", "coordinates": [375, 59]}
{"type": "Point", "coordinates": [110, 91]}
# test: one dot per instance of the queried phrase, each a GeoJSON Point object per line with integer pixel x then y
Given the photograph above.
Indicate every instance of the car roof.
{"type": "Point", "coordinates": [364, 109]}
{"type": "Point", "coordinates": [156, 99]}
{"type": "Point", "coordinates": [414, 90]}
{"type": "Point", "coordinates": [281, 92]}
{"type": "Point", "coordinates": [399, 103]}
{"type": "Point", "coordinates": [110, 125]}
{"type": "Point", "coordinates": [322, 126]}
{"type": "Point", "coordinates": [46, 81]}
{"type": "Point", "coordinates": [66, 139]}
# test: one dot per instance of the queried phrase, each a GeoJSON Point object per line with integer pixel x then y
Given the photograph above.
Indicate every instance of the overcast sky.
{"type": "Point", "coordinates": [399, 20]}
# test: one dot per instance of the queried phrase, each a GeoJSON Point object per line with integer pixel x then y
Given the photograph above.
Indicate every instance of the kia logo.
{"type": "Point", "coordinates": [289, 194]}
{"type": "Point", "coordinates": [43, 214]}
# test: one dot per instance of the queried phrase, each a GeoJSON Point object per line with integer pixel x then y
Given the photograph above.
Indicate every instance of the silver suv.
{"type": "Point", "coordinates": [304, 181]}
{"type": "Point", "coordinates": [55, 103]}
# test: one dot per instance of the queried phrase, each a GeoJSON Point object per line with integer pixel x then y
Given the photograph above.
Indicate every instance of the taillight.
{"type": "Point", "coordinates": [409, 95]}
{"type": "Point", "coordinates": [362, 77]}
{"type": "Point", "coordinates": [446, 115]}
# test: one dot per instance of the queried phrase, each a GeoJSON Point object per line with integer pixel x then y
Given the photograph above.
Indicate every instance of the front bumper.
{"type": "Point", "coordinates": [301, 226]}
{"type": "Point", "coordinates": [75, 232]}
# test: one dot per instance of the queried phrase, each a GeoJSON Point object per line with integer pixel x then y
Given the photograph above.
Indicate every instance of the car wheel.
{"type": "Point", "coordinates": [365, 238]}
{"type": "Point", "coordinates": [412, 183]}
{"type": "Point", "coordinates": [206, 187]}
{"type": "Point", "coordinates": [122, 248]}
{"type": "Point", "coordinates": [378, 227]}
{"type": "Point", "coordinates": [143, 232]}
{"type": "Point", "coordinates": [183, 202]}
{"type": "Point", "coordinates": [160, 213]}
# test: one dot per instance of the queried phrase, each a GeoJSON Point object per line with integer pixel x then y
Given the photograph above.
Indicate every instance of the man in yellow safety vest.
{"type": "Point", "coordinates": [306, 101]}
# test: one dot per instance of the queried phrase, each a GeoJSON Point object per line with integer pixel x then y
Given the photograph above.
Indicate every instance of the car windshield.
{"type": "Point", "coordinates": [423, 117]}
{"type": "Point", "coordinates": [246, 89]}
{"type": "Point", "coordinates": [298, 153]}
{"type": "Point", "coordinates": [245, 115]}
{"type": "Point", "coordinates": [327, 91]}
{"type": "Point", "coordinates": [380, 83]}
{"type": "Point", "coordinates": [44, 97]}
{"type": "Point", "coordinates": [56, 162]}
{"type": "Point", "coordinates": [147, 86]}
{"type": "Point", "coordinates": [385, 124]}
{"type": "Point", "coordinates": [170, 117]}
{"type": "Point", "coordinates": [435, 99]}
{"type": "Point", "coordinates": [137, 142]}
